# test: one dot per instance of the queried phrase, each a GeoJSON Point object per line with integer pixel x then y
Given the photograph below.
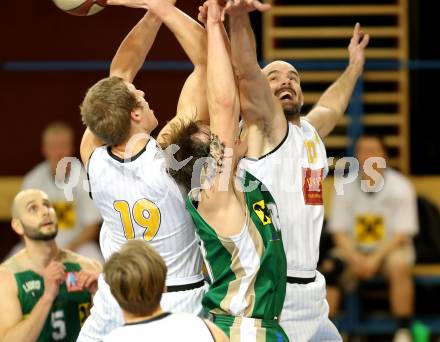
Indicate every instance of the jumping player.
{"type": "Point", "coordinates": [292, 162]}
{"type": "Point", "coordinates": [234, 218]}
{"type": "Point", "coordinates": [127, 169]}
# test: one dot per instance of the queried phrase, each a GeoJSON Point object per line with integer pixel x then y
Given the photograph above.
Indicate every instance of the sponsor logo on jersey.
{"type": "Point", "coordinates": [262, 212]}
{"type": "Point", "coordinates": [32, 285]}
{"type": "Point", "coordinates": [84, 312]}
{"type": "Point", "coordinates": [312, 186]}
{"type": "Point", "coordinates": [72, 282]}
{"type": "Point", "coordinates": [370, 229]}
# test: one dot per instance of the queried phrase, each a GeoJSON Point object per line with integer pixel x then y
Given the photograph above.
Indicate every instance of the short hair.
{"type": "Point", "coordinates": [106, 110]}
{"type": "Point", "coordinates": [56, 127]}
{"type": "Point", "coordinates": [136, 276]}
{"type": "Point", "coordinates": [375, 136]}
{"type": "Point", "coordinates": [182, 135]}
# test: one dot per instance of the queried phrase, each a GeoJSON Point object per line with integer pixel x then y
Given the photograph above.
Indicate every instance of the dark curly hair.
{"type": "Point", "coordinates": [182, 135]}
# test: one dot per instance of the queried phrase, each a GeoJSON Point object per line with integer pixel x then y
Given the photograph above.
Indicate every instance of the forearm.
{"type": "Point", "coordinates": [133, 50]}
{"type": "Point", "coordinates": [222, 91]}
{"type": "Point", "coordinates": [338, 95]}
{"type": "Point", "coordinates": [243, 46]}
{"type": "Point", "coordinates": [89, 233]}
{"type": "Point", "coordinates": [30, 328]}
{"type": "Point", "coordinates": [391, 245]}
{"type": "Point", "coordinates": [191, 35]}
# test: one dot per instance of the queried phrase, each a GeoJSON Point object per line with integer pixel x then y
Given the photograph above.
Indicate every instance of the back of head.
{"type": "Point", "coordinates": [136, 276]}
{"type": "Point", "coordinates": [106, 110]}
{"type": "Point", "coordinates": [184, 136]}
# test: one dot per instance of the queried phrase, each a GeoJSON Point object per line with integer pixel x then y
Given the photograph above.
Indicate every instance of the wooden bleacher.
{"type": "Point", "coordinates": [316, 30]}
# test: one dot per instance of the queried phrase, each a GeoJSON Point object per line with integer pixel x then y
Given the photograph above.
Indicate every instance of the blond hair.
{"type": "Point", "coordinates": [136, 276]}
{"type": "Point", "coordinates": [106, 110]}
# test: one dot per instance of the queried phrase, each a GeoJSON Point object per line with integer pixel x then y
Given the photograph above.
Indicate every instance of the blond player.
{"type": "Point", "coordinates": [127, 169]}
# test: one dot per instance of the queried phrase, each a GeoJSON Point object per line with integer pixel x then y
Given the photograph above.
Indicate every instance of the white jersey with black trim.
{"type": "Point", "coordinates": [165, 327]}
{"type": "Point", "coordinates": [139, 200]}
{"type": "Point", "coordinates": [293, 173]}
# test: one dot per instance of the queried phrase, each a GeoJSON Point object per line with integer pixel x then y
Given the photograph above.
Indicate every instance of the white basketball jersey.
{"type": "Point", "coordinates": [139, 200]}
{"type": "Point", "coordinates": [293, 173]}
{"type": "Point", "coordinates": [166, 327]}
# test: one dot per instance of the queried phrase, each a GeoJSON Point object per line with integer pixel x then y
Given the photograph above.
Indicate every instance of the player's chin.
{"type": "Point", "coordinates": [49, 229]}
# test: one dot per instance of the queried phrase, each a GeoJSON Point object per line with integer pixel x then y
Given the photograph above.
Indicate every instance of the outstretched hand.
{"type": "Point", "coordinates": [215, 9]}
{"type": "Point", "coordinates": [233, 8]}
{"type": "Point", "coordinates": [240, 7]}
{"type": "Point", "coordinates": [357, 46]}
{"type": "Point", "coordinates": [203, 13]}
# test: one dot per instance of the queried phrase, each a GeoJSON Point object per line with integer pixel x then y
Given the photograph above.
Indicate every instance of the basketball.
{"type": "Point", "coordinates": [81, 7]}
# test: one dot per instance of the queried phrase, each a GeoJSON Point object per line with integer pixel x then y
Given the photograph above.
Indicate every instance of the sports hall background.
{"type": "Point", "coordinates": [48, 59]}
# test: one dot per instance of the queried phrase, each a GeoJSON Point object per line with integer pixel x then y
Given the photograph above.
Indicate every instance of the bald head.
{"type": "Point", "coordinates": [23, 198]}
{"type": "Point", "coordinates": [279, 66]}
{"type": "Point", "coordinates": [285, 84]}
{"type": "Point", "coordinates": [33, 215]}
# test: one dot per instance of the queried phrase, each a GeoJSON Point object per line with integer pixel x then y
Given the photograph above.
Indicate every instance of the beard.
{"type": "Point", "coordinates": [292, 111]}
{"type": "Point", "coordinates": [35, 234]}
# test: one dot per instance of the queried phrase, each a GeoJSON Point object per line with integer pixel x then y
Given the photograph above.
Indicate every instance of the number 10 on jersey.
{"type": "Point", "coordinates": [144, 213]}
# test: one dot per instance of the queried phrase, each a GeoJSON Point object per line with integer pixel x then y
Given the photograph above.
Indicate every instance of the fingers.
{"type": "Point", "coordinates": [260, 6]}
{"type": "Point", "coordinates": [356, 30]}
{"type": "Point", "coordinates": [365, 41]}
{"type": "Point", "coordinates": [57, 270]}
{"type": "Point", "coordinates": [86, 280]}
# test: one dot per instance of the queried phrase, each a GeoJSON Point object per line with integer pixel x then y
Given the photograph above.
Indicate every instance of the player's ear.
{"type": "Point", "coordinates": [135, 114]}
{"type": "Point", "coordinates": [17, 226]}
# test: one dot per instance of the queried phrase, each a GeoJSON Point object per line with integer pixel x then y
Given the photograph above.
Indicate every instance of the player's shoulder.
{"type": "Point", "coordinates": [8, 269]}
{"type": "Point", "coordinates": [85, 263]}
{"type": "Point", "coordinates": [16, 263]}
{"type": "Point", "coordinates": [36, 175]}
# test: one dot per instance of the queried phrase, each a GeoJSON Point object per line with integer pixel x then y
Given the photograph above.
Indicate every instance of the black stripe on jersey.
{"type": "Point", "coordinates": [156, 318]}
{"type": "Point", "coordinates": [133, 158]}
{"type": "Point", "coordinates": [88, 177]}
{"type": "Point", "coordinates": [276, 148]}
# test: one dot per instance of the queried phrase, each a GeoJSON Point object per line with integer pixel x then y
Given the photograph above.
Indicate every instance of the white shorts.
{"type": "Point", "coordinates": [106, 315]}
{"type": "Point", "coordinates": [305, 313]}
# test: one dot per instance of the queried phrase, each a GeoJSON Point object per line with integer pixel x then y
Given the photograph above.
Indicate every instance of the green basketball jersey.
{"type": "Point", "coordinates": [69, 309]}
{"type": "Point", "coordinates": [248, 271]}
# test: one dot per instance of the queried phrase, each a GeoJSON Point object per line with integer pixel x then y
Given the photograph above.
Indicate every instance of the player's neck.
{"type": "Point", "coordinates": [132, 146]}
{"type": "Point", "coordinates": [130, 318]}
{"type": "Point", "coordinates": [41, 253]}
{"type": "Point", "coordinates": [295, 120]}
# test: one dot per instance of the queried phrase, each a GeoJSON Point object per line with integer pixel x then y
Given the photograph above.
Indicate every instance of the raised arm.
{"type": "Point", "coordinates": [258, 104]}
{"type": "Point", "coordinates": [134, 48]}
{"type": "Point", "coordinates": [222, 93]}
{"type": "Point", "coordinates": [333, 103]}
{"type": "Point", "coordinates": [192, 38]}
{"type": "Point", "coordinates": [127, 61]}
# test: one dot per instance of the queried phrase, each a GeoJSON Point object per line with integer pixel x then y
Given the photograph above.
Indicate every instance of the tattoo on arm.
{"type": "Point", "coordinates": [217, 151]}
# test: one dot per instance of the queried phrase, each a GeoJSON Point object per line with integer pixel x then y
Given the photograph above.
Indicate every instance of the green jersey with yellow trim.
{"type": "Point", "coordinates": [248, 271]}
{"type": "Point", "coordinates": [69, 309]}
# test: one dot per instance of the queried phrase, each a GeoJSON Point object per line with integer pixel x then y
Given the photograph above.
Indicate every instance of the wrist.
{"type": "Point", "coordinates": [355, 69]}
{"type": "Point", "coordinates": [47, 298]}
